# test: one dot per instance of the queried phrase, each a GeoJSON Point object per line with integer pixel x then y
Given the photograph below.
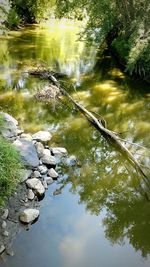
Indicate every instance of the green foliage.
{"type": "Point", "coordinates": [33, 11]}
{"type": "Point", "coordinates": [124, 25]}
{"type": "Point", "coordinates": [10, 167]}
{"type": "Point", "coordinates": [13, 19]}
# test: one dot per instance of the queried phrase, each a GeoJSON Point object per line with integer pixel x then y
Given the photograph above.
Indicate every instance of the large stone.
{"type": "Point", "coordinates": [40, 148]}
{"type": "Point", "coordinates": [28, 152]}
{"type": "Point", "coordinates": [26, 136]}
{"type": "Point", "coordinates": [46, 152]}
{"type": "Point", "coordinates": [59, 151]}
{"type": "Point", "coordinates": [29, 215]}
{"type": "Point", "coordinates": [48, 160]}
{"type": "Point", "coordinates": [42, 136]}
{"type": "Point", "coordinates": [52, 173]}
{"type": "Point", "coordinates": [10, 127]}
{"type": "Point", "coordinates": [36, 184]}
{"type": "Point", "coordinates": [42, 169]}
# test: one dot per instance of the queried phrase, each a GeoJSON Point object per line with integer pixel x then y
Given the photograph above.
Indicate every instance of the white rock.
{"type": "Point", "coordinates": [37, 174]}
{"type": "Point", "coordinates": [49, 160]}
{"type": "Point", "coordinates": [26, 136]}
{"type": "Point", "coordinates": [6, 233]}
{"type": "Point", "coordinates": [52, 173]}
{"type": "Point", "coordinates": [46, 152]}
{"type": "Point", "coordinates": [42, 136]}
{"type": "Point", "coordinates": [36, 184]}
{"type": "Point", "coordinates": [42, 169]}
{"type": "Point", "coordinates": [2, 248]}
{"type": "Point", "coordinates": [29, 215]}
{"type": "Point", "coordinates": [40, 148]}
{"type": "Point", "coordinates": [31, 194]}
{"type": "Point", "coordinates": [5, 214]}
{"type": "Point", "coordinates": [59, 151]}
{"type": "Point", "coordinates": [49, 180]}
{"type": "Point", "coordinates": [4, 224]}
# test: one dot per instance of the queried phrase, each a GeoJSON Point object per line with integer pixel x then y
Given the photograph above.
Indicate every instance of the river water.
{"type": "Point", "coordinates": [101, 217]}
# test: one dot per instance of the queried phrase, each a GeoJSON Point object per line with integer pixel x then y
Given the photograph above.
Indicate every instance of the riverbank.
{"type": "Point", "coordinates": [41, 162]}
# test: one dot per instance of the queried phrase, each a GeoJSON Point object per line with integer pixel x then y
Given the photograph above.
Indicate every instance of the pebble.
{"type": "Point", "coordinates": [4, 224]}
{"type": "Point", "coordinates": [6, 233]}
{"type": "Point", "coordinates": [5, 214]}
{"type": "Point", "coordinates": [52, 173]}
{"type": "Point", "coordinates": [42, 169]}
{"type": "Point", "coordinates": [37, 174]}
{"type": "Point", "coordinates": [31, 194]}
{"type": "Point", "coordinates": [10, 252]}
{"type": "Point", "coordinates": [49, 180]}
{"type": "Point", "coordinates": [2, 248]}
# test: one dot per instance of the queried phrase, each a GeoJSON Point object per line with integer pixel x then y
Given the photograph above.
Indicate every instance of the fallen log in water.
{"type": "Point", "coordinates": [98, 124]}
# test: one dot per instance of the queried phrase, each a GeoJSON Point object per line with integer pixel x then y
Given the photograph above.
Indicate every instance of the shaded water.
{"type": "Point", "coordinates": [101, 217]}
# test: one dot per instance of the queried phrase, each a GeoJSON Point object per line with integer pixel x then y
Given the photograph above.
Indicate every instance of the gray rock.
{"type": "Point", "coordinates": [28, 152]}
{"type": "Point", "coordinates": [45, 184]}
{"type": "Point", "coordinates": [31, 194]}
{"type": "Point", "coordinates": [10, 128]}
{"type": "Point", "coordinates": [42, 169]}
{"type": "Point", "coordinates": [2, 248]}
{"type": "Point", "coordinates": [49, 180]}
{"type": "Point", "coordinates": [4, 224]}
{"type": "Point", "coordinates": [37, 174]}
{"type": "Point", "coordinates": [5, 214]}
{"type": "Point", "coordinates": [29, 215]}
{"type": "Point", "coordinates": [59, 151]}
{"type": "Point", "coordinates": [43, 136]}
{"type": "Point", "coordinates": [40, 148]}
{"type": "Point", "coordinates": [49, 160]}
{"type": "Point", "coordinates": [25, 174]}
{"type": "Point", "coordinates": [36, 184]}
{"type": "Point", "coordinates": [6, 233]}
{"type": "Point", "coordinates": [71, 161]}
{"type": "Point", "coordinates": [10, 252]}
{"type": "Point", "coordinates": [26, 136]}
{"type": "Point", "coordinates": [46, 152]}
{"type": "Point", "coordinates": [52, 173]}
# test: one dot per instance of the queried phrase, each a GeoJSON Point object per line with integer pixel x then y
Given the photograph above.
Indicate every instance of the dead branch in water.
{"type": "Point", "coordinates": [98, 123]}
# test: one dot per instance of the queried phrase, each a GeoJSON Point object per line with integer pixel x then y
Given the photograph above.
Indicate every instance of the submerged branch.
{"type": "Point", "coordinates": [99, 124]}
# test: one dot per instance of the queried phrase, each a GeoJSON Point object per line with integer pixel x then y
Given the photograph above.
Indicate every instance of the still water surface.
{"type": "Point", "coordinates": [100, 218]}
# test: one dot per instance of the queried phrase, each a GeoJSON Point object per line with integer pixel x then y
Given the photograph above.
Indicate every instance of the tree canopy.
{"type": "Point", "coordinates": [124, 24]}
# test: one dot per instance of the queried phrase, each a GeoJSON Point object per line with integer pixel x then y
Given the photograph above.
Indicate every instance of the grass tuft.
{"type": "Point", "coordinates": [10, 167]}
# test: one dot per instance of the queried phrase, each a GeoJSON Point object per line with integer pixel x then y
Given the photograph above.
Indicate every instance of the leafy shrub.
{"type": "Point", "coordinates": [13, 19]}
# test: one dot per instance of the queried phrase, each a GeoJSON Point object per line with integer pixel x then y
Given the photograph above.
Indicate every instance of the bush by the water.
{"type": "Point", "coordinates": [10, 166]}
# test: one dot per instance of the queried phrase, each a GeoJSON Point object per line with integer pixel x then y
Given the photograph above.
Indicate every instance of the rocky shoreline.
{"type": "Point", "coordinates": [40, 170]}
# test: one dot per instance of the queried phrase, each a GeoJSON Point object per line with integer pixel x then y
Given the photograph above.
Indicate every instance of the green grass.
{"type": "Point", "coordinates": [10, 166]}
